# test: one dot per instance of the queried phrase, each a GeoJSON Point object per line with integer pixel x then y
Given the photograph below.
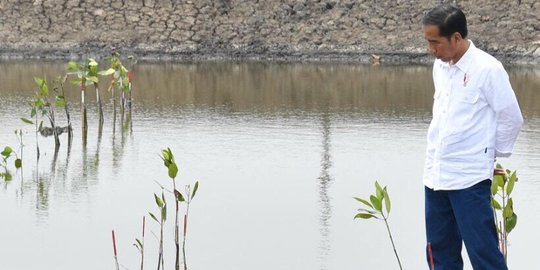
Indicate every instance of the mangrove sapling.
{"type": "Point", "coordinates": [162, 205]}
{"type": "Point", "coordinates": [18, 161]}
{"type": "Point", "coordinates": [139, 243]}
{"type": "Point", "coordinates": [375, 210]}
{"type": "Point", "coordinates": [85, 77]}
{"type": "Point", "coordinates": [34, 104]}
{"type": "Point", "coordinates": [119, 80]}
{"type": "Point", "coordinates": [6, 154]}
{"type": "Point", "coordinates": [169, 162]}
{"type": "Point", "coordinates": [42, 105]}
{"type": "Point", "coordinates": [114, 250]}
{"type": "Point", "coordinates": [505, 217]}
{"type": "Point", "coordinates": [61, 101]}
{"type": "Point", "coordinates": [133, 61]}
{"type": "Point", "coordinates": [188, 199]}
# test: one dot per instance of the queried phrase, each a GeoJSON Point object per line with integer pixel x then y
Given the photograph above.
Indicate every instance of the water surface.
{"type": "Point", "coordinates": [279, 149]}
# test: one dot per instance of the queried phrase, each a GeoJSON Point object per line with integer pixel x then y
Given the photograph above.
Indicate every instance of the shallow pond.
{"type": "Point", "coordinates": [279, 149]}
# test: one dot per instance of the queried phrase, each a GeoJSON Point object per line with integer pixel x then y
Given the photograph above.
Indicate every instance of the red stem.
{"type": "Point", "coordinates": [114, 243]}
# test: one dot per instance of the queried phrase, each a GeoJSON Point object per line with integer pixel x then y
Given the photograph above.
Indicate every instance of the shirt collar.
{"type": "Point", "coordinates": [465, 60]}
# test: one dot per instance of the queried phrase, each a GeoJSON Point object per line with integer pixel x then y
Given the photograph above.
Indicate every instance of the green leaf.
{"type": "Point", "coordinates": [511, 182]}
{"type": "Point", "coordinates": [7, 151]}
{"type": "Point", "coordinates": [377, 204]}
{"type": "Point", "coordinates": [164, 214]}
{"type": "Point", "coordinates": [367, 211]}
{"type": "Point", "coordinates": [154, 217]}
{"type": "Point", "coordinates": [27, 121]}
{"type": "Point", "coordinates": [92, 79]}
{"type": "Point", "coordinates": [73, 66]}
{"type": "Point", "coordinates": [33, 113]}
{"type": "Point", "coordinates": [18, 163]}
{"type": "Point", "coordinates": [195, 189]}
{"type": "Point", "coordinates": [494, 187]}
{"type": "Point", "coordinates": [499, 180]}
{"type": "Point", "coordinates": [92, 62]}
{"type": "Point", "coordinates": [75, 81]}
{"type": "Point", "coordinates": [363, 201]}
{"type": "Point", "coordinates": [387, 202]}
{"type": "Point", "coordinates": [495, 204]}
{"type": "Point", "coordinates": [7, 176]}
{"type": "Point", "coordinates": [173, 170]}
{"type": "Point", "coordinates": [179, 197]}
{"type": "Point", "coordinates": [40, 125]}
{"type": "Point", "coordinates": [106, 72]}
{"type": "Point", "coordinates": [159, 202]}
{"type": "Point", "coordinates": [42, 84]}
{"type": "Point", "coordinates": [379, 190]}
{"type": "Point", "coordinates": [139, 242]}
{"type": "Point", "coordinates": [60, 101]}
{"type": "Point", "coordinates": [364, 216]}
{"type": "Point", "coordinates": [498, 166]}
{"type": "Point", "coordinates": [508, 209]}
{"type": "Point", "coordinates": [511, 223]}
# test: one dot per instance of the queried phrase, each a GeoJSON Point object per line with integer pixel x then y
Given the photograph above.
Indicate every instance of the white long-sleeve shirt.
{"type": "Point", "coordinates": [476, 117]}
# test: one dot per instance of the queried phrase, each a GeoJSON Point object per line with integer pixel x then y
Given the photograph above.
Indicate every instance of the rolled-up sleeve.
{"type": "Point", "coordinates": [502, 99]}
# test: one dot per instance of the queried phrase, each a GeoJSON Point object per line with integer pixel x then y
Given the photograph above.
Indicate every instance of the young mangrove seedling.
{"type": "Point", "coordinates": [114, 251]}
{"type": "Point", "coordinates": [169, 162]}
{"type": "Point", "coordinates": [162, 205]}
{"type": "Point", "coordinates": [503, 210]}
{"type": "Point", "coordinates": [18, 161]}
{"type": "Point", "coordinates": [61, 101]}
{"type": "Point", "coordinates": [375, 210]}
{"type": "Point", "coordinates": [86, 73]}
{"type": "Point", "coordinates": [6, 154]}
{"type": "Point", "coordinates": [42, 105]}
{"type": "Point", "coordinates": [119, 81]}
{"type": "Point", "coordinates": [188, 199]}
{"type": "Point", "coordinates": [139, 243]}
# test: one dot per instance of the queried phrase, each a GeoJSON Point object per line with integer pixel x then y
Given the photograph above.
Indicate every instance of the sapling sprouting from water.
{"type": "Point", "coordinates": [61, 101]}
{"type": "Point", "coordinates": [85, 77]}
{"type": "Point", "coordinates": [188, 199]}
{"type": "Point", "coordinates": [505, 217]}
{"type": "Point", "coordinates": [114, 251]}
{"type": "Point", "coordinates": [139, 243]}
{"type": "Point", "coordinates": [375, 210]}
{"type": "Point", "coordinates": [169, 162]}
{"type": "Point", "coordinates": [119, 81]}
{"type": "Point", "coordinates": [6, 154]}
{"type": "Point", "coordinates": [42, 105]}
{"type": "Point", "coordinates": [162, 205]}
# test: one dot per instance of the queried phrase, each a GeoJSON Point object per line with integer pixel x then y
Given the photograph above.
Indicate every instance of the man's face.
{"type": "Point", "coordinates": [441, 47]}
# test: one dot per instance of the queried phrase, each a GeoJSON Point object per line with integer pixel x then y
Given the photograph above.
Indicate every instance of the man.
{"type": "Point", "coordinates": [476, 118]}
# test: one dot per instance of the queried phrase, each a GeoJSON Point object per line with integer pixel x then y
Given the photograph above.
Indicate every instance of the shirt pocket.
{"type": "Point", "coordinates": [468, 96]}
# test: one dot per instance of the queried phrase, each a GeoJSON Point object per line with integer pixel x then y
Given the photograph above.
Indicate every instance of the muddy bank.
{"type": "Point", "coordinates": [305, 30]}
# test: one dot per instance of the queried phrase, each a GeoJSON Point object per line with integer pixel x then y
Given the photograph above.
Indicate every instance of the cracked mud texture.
{"type": "Point", "coordinates": [341, 30]}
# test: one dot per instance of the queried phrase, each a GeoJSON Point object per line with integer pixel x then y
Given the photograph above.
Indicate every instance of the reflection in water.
{"type": "Point", "coordinates": [324, 199]}
{"type": "Point", "coordinates": [42, 197]}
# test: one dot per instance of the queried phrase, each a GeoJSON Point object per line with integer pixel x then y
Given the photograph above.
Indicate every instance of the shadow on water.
{"type": "Point", "coordinates": [325, 180]}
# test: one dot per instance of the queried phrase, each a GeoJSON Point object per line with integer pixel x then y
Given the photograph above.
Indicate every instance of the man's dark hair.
{"type": "Point", "coordinates": [448, 18]}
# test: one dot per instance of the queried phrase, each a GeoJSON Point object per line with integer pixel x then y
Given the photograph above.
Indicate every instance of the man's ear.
{"type": "Point", "coordinates": [457, 36]}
